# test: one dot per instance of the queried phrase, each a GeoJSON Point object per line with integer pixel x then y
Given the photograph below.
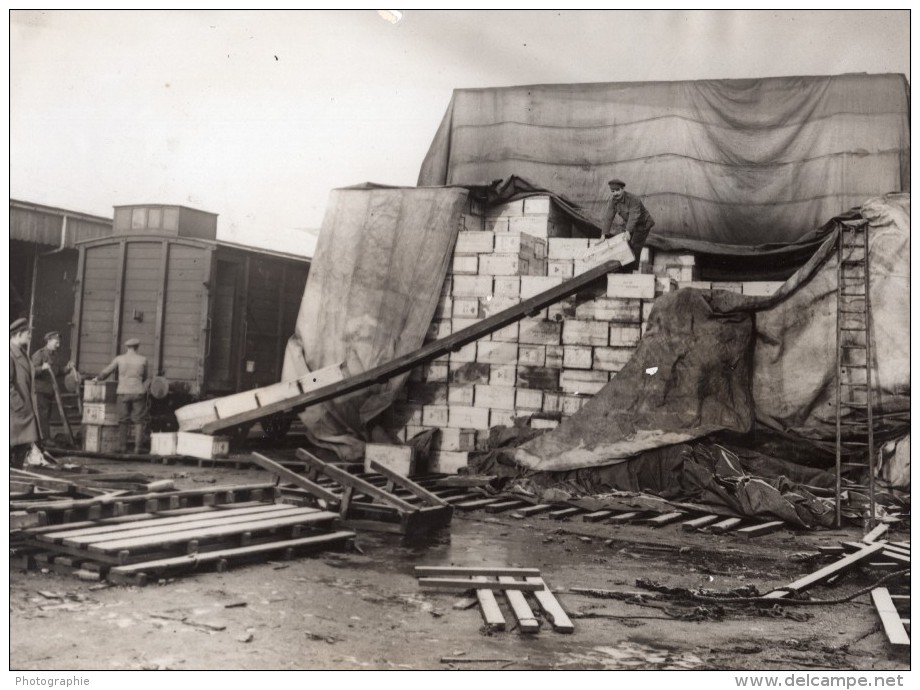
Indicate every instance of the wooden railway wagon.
{"type": "Point", "coordinates": [213, 317]}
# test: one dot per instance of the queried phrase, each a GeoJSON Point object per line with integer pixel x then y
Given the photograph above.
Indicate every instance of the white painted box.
{"type": "Point", "coordinates": [201, 445]}
{"type": "Point", "coordinates": [399, 459]}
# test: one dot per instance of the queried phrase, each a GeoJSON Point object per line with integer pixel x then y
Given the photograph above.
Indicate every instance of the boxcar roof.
{"type": "Point", "coordinates": [220, 244]}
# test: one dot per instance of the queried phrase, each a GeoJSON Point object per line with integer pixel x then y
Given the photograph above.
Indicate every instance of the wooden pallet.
{"type": "Point", "coordinates": [390, 503]}
{"type": "Point", "coordinates": [134, 549]}
{"type": "Point", "coordinates": [513, 583]}
{"type": "Point", "coordinates": [117, 504]}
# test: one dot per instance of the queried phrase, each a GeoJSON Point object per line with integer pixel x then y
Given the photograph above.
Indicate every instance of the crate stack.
{"type": "Point", "coordinates": [100, 417]}
{"type": "Point", "coordinates": [545, 367]}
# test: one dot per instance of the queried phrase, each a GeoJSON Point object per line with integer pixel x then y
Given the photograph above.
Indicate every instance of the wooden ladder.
{"type": "Point", "coordinates": [853, 379]}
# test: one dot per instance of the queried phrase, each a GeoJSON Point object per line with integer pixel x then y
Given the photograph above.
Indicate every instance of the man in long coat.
{"type": "Point", "coordinates": [23, 421]}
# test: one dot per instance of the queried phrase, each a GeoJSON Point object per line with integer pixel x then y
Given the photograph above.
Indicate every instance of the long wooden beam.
{"type": "Point", "coordinates": [295, 479]}
{"type": "Point", "coordinates": [438, 348]}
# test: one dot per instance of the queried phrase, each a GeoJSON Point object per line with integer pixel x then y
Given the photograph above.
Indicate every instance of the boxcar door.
{"type": "Point", "coordinates": [226, 322]}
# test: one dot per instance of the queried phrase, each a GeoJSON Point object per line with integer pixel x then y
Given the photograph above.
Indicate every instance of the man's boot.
{"type": "Point", "coordinates": [138, 438]}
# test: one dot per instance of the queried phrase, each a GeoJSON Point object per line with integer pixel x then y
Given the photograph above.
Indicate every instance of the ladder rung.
{"type": "Point", "coordinates": [853, 347]}
{"type": "Point", "coordinates": [854, 404]}
{"type": "Point", "coordinates": [853, 385]}
{"type": "Point", "coordinates": [851, 311]}
{"type": "Point", "coordinates": [853, 328]}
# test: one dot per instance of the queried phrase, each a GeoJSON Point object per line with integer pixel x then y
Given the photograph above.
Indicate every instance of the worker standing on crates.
{"type": "Point", "coordinates": [637, 222]}
{"type": "Point", "coordinates": [44, 361]}
{"type": "Point", "coordinates": [131, 392]}
{"type": "Point", "coordinates": [23, 423]}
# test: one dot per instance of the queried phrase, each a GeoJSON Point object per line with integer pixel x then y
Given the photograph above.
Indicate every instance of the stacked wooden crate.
{"type": "Point", "coordinates": [100, 417]}
{"type": "Point", "coordinates": [545, 367]}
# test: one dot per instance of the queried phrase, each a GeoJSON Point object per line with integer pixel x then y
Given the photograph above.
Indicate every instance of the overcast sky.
{"type": "Point", "coordinates": [256, 116]}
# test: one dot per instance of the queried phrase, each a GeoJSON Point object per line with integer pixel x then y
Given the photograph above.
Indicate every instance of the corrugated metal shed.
{"type": "Point", "coordinates": [47, 225]}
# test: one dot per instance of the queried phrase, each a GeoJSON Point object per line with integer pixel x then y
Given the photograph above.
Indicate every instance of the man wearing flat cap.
{"type": "Point", "coordinates": [131, 393]}
{"type": "Point", "coordinates": [23, 423]}
{"type": "Point", "coordinates": [46, 365]}
{"type": "Point", "coordinates": [636, 221]}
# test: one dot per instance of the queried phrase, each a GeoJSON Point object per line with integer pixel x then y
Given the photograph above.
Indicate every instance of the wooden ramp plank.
{"type": "Point", "coordinates": [527, 622]}
{"type": "Point", "coordinates": [488, 606]}
{"type": "Point", "coordinates": [426, 353]}
{"type": "Point", "coordinates": [294, 478]}
{"type": "Point", "coordinates": [478, 503]}
{"type": "Point", "coordinates": [493, 571]}
{"type": "Point", "coordinates": [476, 583]}
{"type": "Point", "coordinates": [356, 483]}
{"type": "Point", "coordinates": [551, 607]}
{"type": "Point", "coordinates": [407, 484]}
{"type": "Point", "coordinates": [192, 560]}
{"type": "Point", "coordinates": [149, 528]}
{"type": "Point", "coordinates": [212, 532]}
{"type": "Point", "coordinates": [697, 523]}
{"type": "Point", "coordinates": [876, 533]}
{"type": "Point", "coordinates": [891, 619]}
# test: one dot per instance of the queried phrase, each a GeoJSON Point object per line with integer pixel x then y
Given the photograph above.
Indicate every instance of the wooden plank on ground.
{"type": "Point", "coordinates": [502, 506]}
{"type": "Point", "coordinates": [211, 532]}
{"type": "Point", "coordinates": [153, 527]}
{"type": "Point", "coordinates": [527, 622]}
{"type": "Point", "coordinates": [294, 478]}
{"type": "Point", "coordinates": [488, 606]}
{"type": "Point", "coordinates": [761, 529]}
{"type": "Point", "coordinates": [476, 583]}
{"type": "Point", "coordinates": [597, 515]}
{"type": "Point", "coordinates": [697, 523]}
{"type": "Point", "coordinates": [534, 509]}
{"type": "Point", "coordinates": [102, 530]}
{"type": "Point", "coordinates": [665, 519]}
{"type": "Point", "coordinates": [891, 619]}
{"type": "Point", "coordinates": [551, 607]}
{"type": "Point", "coordinates": [564, 513]}
{"type": "Point", "coordinates": [478, 503]}
{"type": "Point", "coordinates": [824, 573]}
{"type": "Point", "coordinates": [193, 560]}
{"type": "Point", "coordinates": [724, 526]}
{"type": "Point", "coordinates": [876, 533]}
{"type": "Point", "coordinates": [441, 571]}
{"type": "Point", "coordinates": [623, 517]}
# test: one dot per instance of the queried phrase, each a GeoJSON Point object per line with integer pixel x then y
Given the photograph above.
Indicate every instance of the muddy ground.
{"type": "Point", "coordinates": [363, 609]}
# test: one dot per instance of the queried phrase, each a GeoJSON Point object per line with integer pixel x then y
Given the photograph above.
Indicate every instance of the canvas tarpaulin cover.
{"type": "Point", "coordinates": [715, 360]}
{"type": "Point", "coordinates": [374, 284]}
{"type": "Point", "coordinates": [726, 162]}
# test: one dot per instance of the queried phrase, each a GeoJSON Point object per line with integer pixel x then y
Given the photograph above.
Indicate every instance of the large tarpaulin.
{"type": "Point", "coordinates": [690, 374]}
{"type": "Point", "coordinates": [374, 284]}
{"type": "Point", "coordinates": [725, 162]}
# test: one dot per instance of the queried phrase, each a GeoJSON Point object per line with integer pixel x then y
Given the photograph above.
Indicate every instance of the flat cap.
{"type": "Point", "coordinates": [52, 335]}
{"type": "Point", "coordinates": [132, 342]}
{"type": "Point", "coordinates": [616, 183]}
{"type": "Point", "coordinates": [19, 325]}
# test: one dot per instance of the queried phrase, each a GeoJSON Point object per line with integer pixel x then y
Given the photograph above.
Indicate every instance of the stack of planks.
{"type": "Point", "coordinates": [513, 583]}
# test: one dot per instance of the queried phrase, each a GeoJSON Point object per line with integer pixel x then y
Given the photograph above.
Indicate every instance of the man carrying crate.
{"type": "Point", "coordinates": [131, 393]}
{"type": "Point", "coordinates": [636, 221]}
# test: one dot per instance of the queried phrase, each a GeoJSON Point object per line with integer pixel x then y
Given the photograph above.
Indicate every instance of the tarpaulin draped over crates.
{"type": "Point", "coordinates": [731, 162]}
{"type": "Point", "coordinates": [715, 360]}
{"type": "Point", "coordinates": [374, 283]}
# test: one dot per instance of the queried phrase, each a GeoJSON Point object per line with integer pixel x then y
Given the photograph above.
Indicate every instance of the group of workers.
{"type": "Point", "coordinates": [33, 391]}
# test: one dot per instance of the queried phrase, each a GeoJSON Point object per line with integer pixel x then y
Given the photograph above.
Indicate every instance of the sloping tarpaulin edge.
{"type": "Point", "coordinates": [374, 285]}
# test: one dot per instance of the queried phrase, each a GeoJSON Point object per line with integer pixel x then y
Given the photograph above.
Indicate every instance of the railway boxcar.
{"type": "Point", "coordinates": [213, 317]}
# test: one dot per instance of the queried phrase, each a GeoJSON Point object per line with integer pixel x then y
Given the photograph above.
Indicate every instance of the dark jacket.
{"type": "Point", "coordinates": [638, 221]}
{"type": "Point", "coordinates": [23, 423]}
{"type": "Point", "coordinates": [43, 384]}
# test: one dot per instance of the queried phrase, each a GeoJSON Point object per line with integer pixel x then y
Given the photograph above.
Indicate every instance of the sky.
{"type": "Point", "coordinates": [257, 115]}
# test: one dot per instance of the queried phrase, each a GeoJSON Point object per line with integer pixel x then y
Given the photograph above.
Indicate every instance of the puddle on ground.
{"type": "Point", "coordinates": [628, 655]}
